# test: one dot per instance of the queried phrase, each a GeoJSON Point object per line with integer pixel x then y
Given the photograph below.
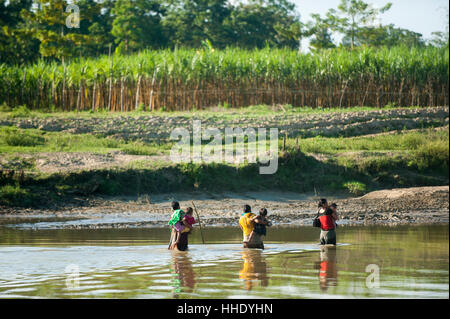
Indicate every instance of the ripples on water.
{"type": "Point", "coordinates": [413, 263]}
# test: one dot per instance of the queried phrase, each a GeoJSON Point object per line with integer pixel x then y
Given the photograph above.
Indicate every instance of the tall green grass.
{"type": "Point", "coordinates": [188, 79]}
{"type": "Point", "coordinates": [14, 140]}
{"type": "Point", "coordinates": [403, 141]}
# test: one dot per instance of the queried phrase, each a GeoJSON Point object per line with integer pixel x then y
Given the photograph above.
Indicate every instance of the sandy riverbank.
{"type": "Point", "coordinates": [395, 206]}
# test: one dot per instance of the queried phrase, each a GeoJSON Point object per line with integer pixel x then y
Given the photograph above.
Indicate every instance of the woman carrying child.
{"type": "Point", "coordinates": [181, 223]}
{"type": "Point", "coordinates": [248, 222]}
{"type": "Point", "coordinates": [259, 228]}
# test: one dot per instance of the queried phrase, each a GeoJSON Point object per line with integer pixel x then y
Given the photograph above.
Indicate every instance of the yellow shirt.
{"type": "Point", "coordinates": [246, 223]}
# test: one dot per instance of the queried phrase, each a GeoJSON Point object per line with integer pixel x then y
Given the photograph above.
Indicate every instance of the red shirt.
{"type": "Point", "coordinates": [327, 222]}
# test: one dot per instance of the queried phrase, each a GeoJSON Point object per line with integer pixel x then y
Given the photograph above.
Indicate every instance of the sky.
{"type": "Point", "coordinates": [422, 16]}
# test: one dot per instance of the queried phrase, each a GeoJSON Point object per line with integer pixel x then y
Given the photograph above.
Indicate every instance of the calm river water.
{"type": "Point", "coordinates": [370, 262]}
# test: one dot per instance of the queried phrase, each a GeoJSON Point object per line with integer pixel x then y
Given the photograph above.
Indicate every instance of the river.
{"type": "Point", "coordinates": [407, 261]}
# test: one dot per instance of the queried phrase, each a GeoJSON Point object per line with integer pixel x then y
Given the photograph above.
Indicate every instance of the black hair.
{"type": "Point", "coordinates": [322, 202]}
{"type": "Point", "coordinates": [263, 212]}
{"type": "Point", "coordinates": [175, 205]}
{"type": "Point", "coordinates": [247, 209]}
{"type": "Point", "coordinates": [333, 205]}
{"type": "Point", "coordinates": [189, 210]}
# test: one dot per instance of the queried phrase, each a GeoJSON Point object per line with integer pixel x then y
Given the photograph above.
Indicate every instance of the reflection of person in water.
{"type": "Point", "coordinates": [328, 268]}
{"type": "Point", "coordinates": [182, 272]}
{"type": "Point", "coordinates": [254, 268]}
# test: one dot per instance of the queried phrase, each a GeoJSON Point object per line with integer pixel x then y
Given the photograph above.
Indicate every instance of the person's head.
{"type": "Point", "coordinates": [189, 211]}
{"type": "Point", "coordinates": [175, 205]}
{"type": "Point", "coordinates": [323, 203]}
{"type": "Point", "coordinates": [263, 212]}
{"type": "Point", "coordinates": [247, 209]}
{"type": "Point", "coordinates": [333, 207]}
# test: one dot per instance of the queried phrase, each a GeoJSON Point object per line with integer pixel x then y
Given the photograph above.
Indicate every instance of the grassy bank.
{"type": "Point", "coordinates": [354, 165]}
{"type": "Point", "coordinates": [297, 172]}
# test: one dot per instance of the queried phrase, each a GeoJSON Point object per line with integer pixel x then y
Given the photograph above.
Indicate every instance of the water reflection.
{"type": "Point", "coordinates": [183, 275]}
{"type": "Point", "coordinates": [135, 263]}
{"type": "Point", "coordinates": [254, 269]}
{"type": "Point", "coordinates": [327, 268]}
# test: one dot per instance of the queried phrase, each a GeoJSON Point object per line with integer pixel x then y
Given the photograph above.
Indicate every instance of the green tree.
{"type": "Point", "coordinates": [48, 24]}
{"type": "Point", "coordinates": [257, 23]}
{"type": "Point", "coordinates": [352, 15]}
{"type": "Point", "coordinates": [320, 29]}
{"type": "Point", "coordinates": [190, 22]}
{"type": "Point", "coordinates": [441, 38]}
{"type": "Point", "coordinates": [97, 24]}
{"type": "Point", "coordinates": [389, 36]}
{"type": "Point", "coordinates": [16, 44]}
{"type": "Point", "coordinates": [137, 25]}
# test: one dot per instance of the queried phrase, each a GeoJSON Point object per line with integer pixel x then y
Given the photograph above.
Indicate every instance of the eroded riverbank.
{"type": "Point", "coordinates": [418, 205]}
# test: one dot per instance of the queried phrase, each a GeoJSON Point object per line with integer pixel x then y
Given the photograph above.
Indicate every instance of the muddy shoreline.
{"type": "Point", "coordinates": [418, 205]}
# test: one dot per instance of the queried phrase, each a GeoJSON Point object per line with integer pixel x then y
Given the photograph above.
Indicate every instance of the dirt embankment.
{"type": "Point", "coordinates": [395, 206]}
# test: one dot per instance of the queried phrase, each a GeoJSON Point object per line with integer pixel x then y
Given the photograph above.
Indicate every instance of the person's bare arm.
{"type": "Point", "coordinates": [258, 219]}
{"type": "Point", "coordinates": [335, 216]}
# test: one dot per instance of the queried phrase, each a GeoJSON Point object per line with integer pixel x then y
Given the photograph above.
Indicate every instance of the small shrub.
{"type": "Point", "coordinates": [20, 111]}
{"type": "Point", "coordinates": [141, 107]}
{"type": "Point", "coordinates": [355, 188]}
{"type": "Point", "coordinates": [414, 141]}
{"type": "Point", "coordinates": [14, 137]}
{"type": "Point", "coordinates": [4, 107]}
{"type": "Point", "coordinates": [138, 149]}
{"type": "Point", "coordinates": [13, 195]}
{"type": "Point", "coordinates": [434, 155]}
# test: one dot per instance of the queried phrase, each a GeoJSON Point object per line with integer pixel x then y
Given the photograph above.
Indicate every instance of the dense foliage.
{"type": "Point", "coordinates": [32, 29]}
{"type": "Point", "coordinates": [190, 78]}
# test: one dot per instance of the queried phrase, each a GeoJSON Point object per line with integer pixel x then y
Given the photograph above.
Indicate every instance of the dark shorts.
{"type": "Point", "coordinates": [328, 237]}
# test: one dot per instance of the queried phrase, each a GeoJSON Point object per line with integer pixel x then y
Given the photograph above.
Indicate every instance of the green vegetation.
{"type": "Point", "coordinates": [190, 79]}
{"type": "Point", "coordinates": [14, 140]}
{"type": "Point", "coordinates": [218, 113]}
{"type": "Point", "coordinates": [403, 141]}
{"type": "Point", "coordinates": [15, 196]}
{"type": "Point", "coordinates": [353, 165]}
{"type": "Point", "coordinates": [356, 188]}
{"type": "Point", "coordinates": [127, 26]}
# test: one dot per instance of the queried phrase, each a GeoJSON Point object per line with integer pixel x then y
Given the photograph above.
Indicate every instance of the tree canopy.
{"type": "Point", "coordinates": [32, 29]}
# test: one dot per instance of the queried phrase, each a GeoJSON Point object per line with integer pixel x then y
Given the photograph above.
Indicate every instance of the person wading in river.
{"type": "Point", "coordinates": [247, 225]}
{"type": "Point", "coordinates": [178, 240]}
{"type": "Point", "coordinates": [327, 223]}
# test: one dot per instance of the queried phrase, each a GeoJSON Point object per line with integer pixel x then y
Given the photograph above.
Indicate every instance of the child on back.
{"type": "Point", "coordinates": [188, 220]}
{"type": "Point", "coordinates": [261, 222]}
{"type": "Point", "coordinates": [185, 224]}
